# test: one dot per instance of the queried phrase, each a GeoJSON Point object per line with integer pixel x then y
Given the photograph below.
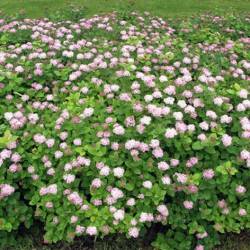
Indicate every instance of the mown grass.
{"type": "Point", "coordinates": [41, 8]}
{"type": "Point", "coordinates": [165, 8]}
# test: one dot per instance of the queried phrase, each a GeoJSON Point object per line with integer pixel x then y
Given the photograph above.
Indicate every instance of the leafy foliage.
{"type": "Point", "coordinates": [118, 122]}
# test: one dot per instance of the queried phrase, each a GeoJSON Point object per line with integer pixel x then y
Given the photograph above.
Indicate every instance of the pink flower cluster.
{"type": "Point", "coordinates": [6, 190]}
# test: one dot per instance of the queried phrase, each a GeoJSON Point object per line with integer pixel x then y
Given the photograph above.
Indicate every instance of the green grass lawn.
{"type": "Point", "coordinates": [39, 8]}
{"type": "Point", "coordinates": [165, 8]}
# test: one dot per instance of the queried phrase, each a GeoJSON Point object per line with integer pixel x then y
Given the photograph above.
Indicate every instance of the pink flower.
{"type": "Point", "coordinates": [242, 212]}
{"type": "Point", "coordinates": [105, 141]}
{"type": "Point", "coordinates": [147, 184]}
{"type": "Point", "coordinates": [208, 174]}
{"type": "Point", "coordinates": [31, 169]}
{"type": "Point", "coordinates": [222, 203]}
{"type": "Point", "coordinates": [199, 247]}
{"type": "Point", "coordinates": [140, 128]}
{"type": "Point", "coordinates": [178, 116]}
{"type": "Point", "coordinates": [15, 157]}
{"type": "Point", "coordinates": [118, 172]}
{"type": "Point", "coordinates": [181, 127]}
{"type": "Point", "coordinates": [69, 178]}
{"type": "Point", "coordinates": [91, 230]}
{"type": "Point", "coordinates": [119, 214]}
{"type": "Point", "coordinates": [13, 168]}
{"type": "Point", "coordinates": [204, 125]}
{"type": "Point", "coordinates": [188, 204]}
{"type": "Point", "coordinates": [166, 180]}
{"type": "Point", "coordinates": [245, 155]}
{"type": "Point", "coordinates": [115, 146]}
{"type": "Point", "coordinates": [88, 112]}
{"type": "Point", "coordinates": [181, 104]}
{"type": "Point", "coordinates": [134, 153]}
{"type": "Point", "coordinates": [145, 120]}
{"type": "Point", "coordinates": [49, 204]}
{"type": "Point", "coordinates": [162, 209]}
{"type": "Point", "coordinates": [51, 189]}
{"type": "Point", "coordinates": [170, 133]}
{"type": "Point", "coordinates": [105, 171]}
{"type": "Point", "coordinates": [19, 69]}
{"type": "Point", "coordinates": [38, 72]}
{"type": "Point", "coordinates": [39, 138]}
{"type": "Point", "coordinates": [186, 60]}
{"type": "Point", "coordinates": [170, 90]}
{"type": "Point", "coordinates": [240, 107]}
{"type": "Point", "coordinates": [202, 137]}
{"type": "Point", "coordinates": [130, 121]}
{"type": "Point", "coordinates": [158, 153]}
{"type": "Point", "coordinates": [226, 140]}
{"type": "Point", "coordinates": [63, 135]}
{"type": "Point", "coordinates": [240, 189]}
{"type": "Point", "coordinates": [73, 219]}
{"type": "Point", "coordinates": [50, 143]}
{"type": "Point", "coordinates": [133, 232]}
{"type": "Point", "coordinates": [8, 116]}
{"type": "Point", "coordinates": [243, 93]}
{"type": "Point", "coordinates": [218, 101]}
{"type": "Point", "coordinates": [96, 183]}
{"type": "Point", "coordinates": [58, 154]}
{"type": "Point", "coordinates": [163, 166]}
{"type": "Point", "coordinates": [75, 199]}
{"type": "Point", "coordinates": [193, 189]}
{"type": "Point", "coordinates": [174, 162]}
{"type": "Point", "coordinates": [77, 142]}
{"type": "Point", "coordinates": [80, 229]}
{"type": "Point", "coordinates": [51, 171]}
{"type": "Point", "coordinates": [118, 129]}
{"type": "Point", "coordinates": [182, 178]}
{"type": "Point", "coordinates": [154, 143]}
{"type": "Point", "coordinates": [6, 190]}
{"type": "Point", "coordinates": [191, 162]}
{"type": "Point", "coordinates": [131, 202]}
{"type": "Point", "coordinates": [33, 118]}
{"type": "Point", "coordinates": [211, 114]}
{"type": "Point", "coordinates": [116, 193]}
{"type": "Point", "coordinates": [5, 154]}
{"type": "Point", "coordinates": [163, 78]}
{"type": "Point", "coordinates": [144, 217]}
{"type": "Point", "coordinates": [202, 235]}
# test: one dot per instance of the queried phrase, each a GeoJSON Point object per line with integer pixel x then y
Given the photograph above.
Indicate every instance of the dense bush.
{"type": "Point", "coordinates": [113, 123]}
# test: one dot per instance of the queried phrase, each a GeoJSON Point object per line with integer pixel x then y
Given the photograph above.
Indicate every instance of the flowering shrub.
{"type": "Point", "coordinates": [113, 123]}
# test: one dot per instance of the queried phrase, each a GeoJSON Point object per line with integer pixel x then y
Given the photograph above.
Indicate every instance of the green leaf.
{"type": "Point", "coordinates": [197, 145]}
{"type": "Point", "coordinates": [80, 150]}
{"type": "Point", "coordinates": [129, 186]}
{"type": "Point", "coordinates": [96, 150]}
{"type": "Point", "coordinates": [7, 138]}
{"type": "Point", "coordinates": [226, 169]}
{"type": "Point", "coordinates": [195, 178]}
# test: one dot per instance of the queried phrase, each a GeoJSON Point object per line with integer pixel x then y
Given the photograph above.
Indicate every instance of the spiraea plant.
{"type": "Point", "coordinates": [113, 123]}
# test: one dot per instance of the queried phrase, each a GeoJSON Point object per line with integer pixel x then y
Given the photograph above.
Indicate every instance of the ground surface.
{"type": "Point", "coordinates": [231, 242]}
{"type": "Point", "coordinates": [40, 8]}
{"type": "Point", "coordinates": [241, 242]}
